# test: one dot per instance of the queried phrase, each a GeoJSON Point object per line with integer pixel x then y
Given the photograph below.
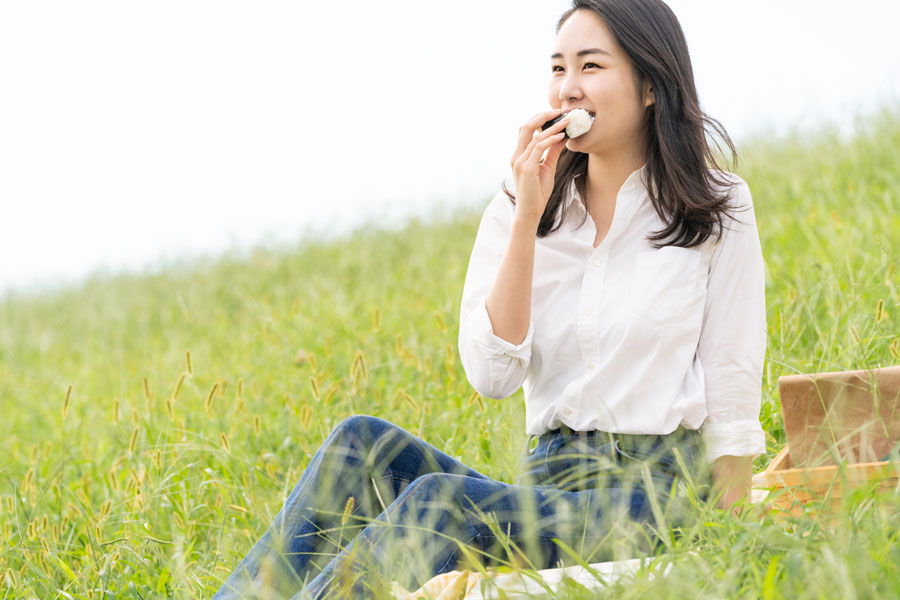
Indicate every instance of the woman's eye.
{"type": "Point", "coordinates": [558, 69]}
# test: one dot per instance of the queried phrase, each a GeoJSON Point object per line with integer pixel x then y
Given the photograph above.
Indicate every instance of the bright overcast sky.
{"type": "Point", "coordinates": [131, 132]}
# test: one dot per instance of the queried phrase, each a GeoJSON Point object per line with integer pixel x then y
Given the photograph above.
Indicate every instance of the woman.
{"type": "Point", "coordinates": [623, 285]}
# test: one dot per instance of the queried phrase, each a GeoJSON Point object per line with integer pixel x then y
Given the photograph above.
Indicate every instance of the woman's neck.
{"type": "Point", "coordinates": [605, 176]}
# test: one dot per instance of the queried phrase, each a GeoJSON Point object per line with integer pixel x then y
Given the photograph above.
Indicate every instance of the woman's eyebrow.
{"type": "Point", "coordinates": [583, 53]}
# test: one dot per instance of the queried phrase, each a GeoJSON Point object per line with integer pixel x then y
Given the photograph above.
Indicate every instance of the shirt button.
{"type": "Point", "coordinates": [567, 412]}
{"type": "Point", "coordinates": [596, 262]}
{"type": "Point", "coordinates": [590, 365]}
{"type": "Point", "coordinates": [587, 311]}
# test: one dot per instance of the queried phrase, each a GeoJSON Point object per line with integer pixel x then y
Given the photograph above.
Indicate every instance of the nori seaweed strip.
{"type": "Point", "coordinates": [552, 122]}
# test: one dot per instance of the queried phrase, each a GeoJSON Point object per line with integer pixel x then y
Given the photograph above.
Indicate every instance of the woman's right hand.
{"type": "Point", "coordinates": [534, 177]}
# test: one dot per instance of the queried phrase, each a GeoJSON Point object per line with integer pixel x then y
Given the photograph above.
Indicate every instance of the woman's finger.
{"type": "Point", "coordinates": [529, 162]}
{"type": "Point", "coordinates": [541, 136]}
{"type": "Point", "coordinates": [526, 131]}
{"type": "Point", "coordinates": [538, 150]}
{"type": "Point", "coordinates": [553, 154]}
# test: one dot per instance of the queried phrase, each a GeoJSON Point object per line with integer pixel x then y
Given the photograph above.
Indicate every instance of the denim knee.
{"type": "Point", "coordinates": [358, 423]}
{"type": "Point", "coordinates": [430, 486]}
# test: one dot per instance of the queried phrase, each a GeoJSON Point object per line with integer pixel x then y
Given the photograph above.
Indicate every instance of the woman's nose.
{"type": "Point", "coordinates": [570, 89]}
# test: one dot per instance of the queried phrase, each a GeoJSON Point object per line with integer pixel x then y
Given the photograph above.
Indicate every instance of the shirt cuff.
{"type": "Point", "coordinates": [736, 438]}
{"type": "Point", "coordinates": [482, 332]}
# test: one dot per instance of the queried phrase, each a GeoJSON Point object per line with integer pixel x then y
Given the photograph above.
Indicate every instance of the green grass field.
{"type": "Point", "coordinates": [152, 425]}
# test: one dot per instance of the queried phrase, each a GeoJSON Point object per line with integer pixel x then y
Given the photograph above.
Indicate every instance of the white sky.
{"type": "Point", "coordinates": [133, 132]}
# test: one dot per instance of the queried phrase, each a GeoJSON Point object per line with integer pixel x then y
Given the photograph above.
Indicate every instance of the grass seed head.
{"type": "Point", "coordinates": [210, 396]}
{"type": "Point", "coordinates": [117, 464]}
{"type": "Point", "coordinates": [178, 385]}
{"type": "Point", "coordinates": [187, 360]}
{"type": "Point", "coordinates": [65, 408]}
{"type": "Point", "coordinates": [134, 438]}
{"type": "Point", "coordinates": [348, 510]}
{"type": "Point", "coordinates": [104, 510]}
{"type": "Point", "coordinates": [401, 394]}
{"type": "Point", "coordinates": [450, 351]}
{"type": "Point", "coordinates": [879, 311]}
{"type": "Point", "coordinates": [358, 371]}
{"type": "Point", "coordinates": [224, 440]}
{"type": "Point", "coordinates": [238, 407]}
{"type": "Point", "coordinates": [27, 480]}
{"type": "Point", "coordinates": [330, 392]}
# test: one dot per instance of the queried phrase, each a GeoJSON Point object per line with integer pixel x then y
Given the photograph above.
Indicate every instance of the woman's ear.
{"type": "Point", "coordinates": [648, 95]}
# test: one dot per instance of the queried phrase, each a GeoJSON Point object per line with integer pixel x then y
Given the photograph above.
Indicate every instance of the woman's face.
{"type": "Point", "coordinates": [600, 81]}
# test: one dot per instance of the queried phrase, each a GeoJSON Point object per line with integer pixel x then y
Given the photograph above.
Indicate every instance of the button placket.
{"type": "Point", "coordinates": [588, 320]}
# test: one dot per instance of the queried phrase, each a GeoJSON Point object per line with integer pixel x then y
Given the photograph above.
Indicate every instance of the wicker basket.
{"type": "Point", "coordinates": [840, 429]}
{"type": "Point", "coordinates": [795, 488]}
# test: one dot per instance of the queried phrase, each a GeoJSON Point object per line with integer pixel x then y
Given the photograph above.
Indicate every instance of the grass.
{"type": "Point", "coordinates": [154, 424]}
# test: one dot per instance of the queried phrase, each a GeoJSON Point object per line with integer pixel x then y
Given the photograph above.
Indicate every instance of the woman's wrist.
{"type": "Point", "coordinates": [526, 223]}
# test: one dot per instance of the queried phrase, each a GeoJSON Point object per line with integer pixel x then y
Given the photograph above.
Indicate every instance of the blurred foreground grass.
{"type": "Point", "coordinates": [154, 474]}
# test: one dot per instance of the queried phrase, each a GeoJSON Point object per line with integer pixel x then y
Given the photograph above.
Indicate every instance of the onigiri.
{"type": "Point", "coordinates": [580, 122]}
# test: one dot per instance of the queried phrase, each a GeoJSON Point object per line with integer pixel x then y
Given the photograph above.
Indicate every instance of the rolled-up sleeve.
{"type": "Point", "coordinates": [495, 367]}
{"type": "Point", "coordinates": [732, 341]}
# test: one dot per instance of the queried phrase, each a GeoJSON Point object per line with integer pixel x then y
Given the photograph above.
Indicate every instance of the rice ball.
{"type": "Point", "coordinates": [580, 122]}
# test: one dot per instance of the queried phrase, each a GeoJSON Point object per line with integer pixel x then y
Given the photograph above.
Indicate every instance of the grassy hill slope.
{"type": "Point", "coordinates": [127, 464]}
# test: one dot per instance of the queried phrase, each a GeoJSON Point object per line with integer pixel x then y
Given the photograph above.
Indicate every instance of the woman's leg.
{"type": "Point", "coordinates": [420, 533]}
{"type": "Point", "coordinates": [366, 458]}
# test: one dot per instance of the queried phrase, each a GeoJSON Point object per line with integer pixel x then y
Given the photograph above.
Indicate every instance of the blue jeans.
{"type": "Point", "coordinates": [377, 504]}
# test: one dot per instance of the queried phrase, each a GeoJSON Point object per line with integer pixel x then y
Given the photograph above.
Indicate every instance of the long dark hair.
{"type": "Point", "coordinates": [681, 167]}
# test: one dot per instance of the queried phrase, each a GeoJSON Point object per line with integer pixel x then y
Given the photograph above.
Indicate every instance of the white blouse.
{"type": "Point", "coordinates": [623, 337]}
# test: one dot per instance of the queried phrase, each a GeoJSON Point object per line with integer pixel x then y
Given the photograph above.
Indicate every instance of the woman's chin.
{"type": "Point", "coordinates": [578, 144]}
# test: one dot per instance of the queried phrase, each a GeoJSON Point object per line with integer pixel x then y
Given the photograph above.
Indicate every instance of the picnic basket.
{"type": "Point", "coordinates": [842, 431]}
